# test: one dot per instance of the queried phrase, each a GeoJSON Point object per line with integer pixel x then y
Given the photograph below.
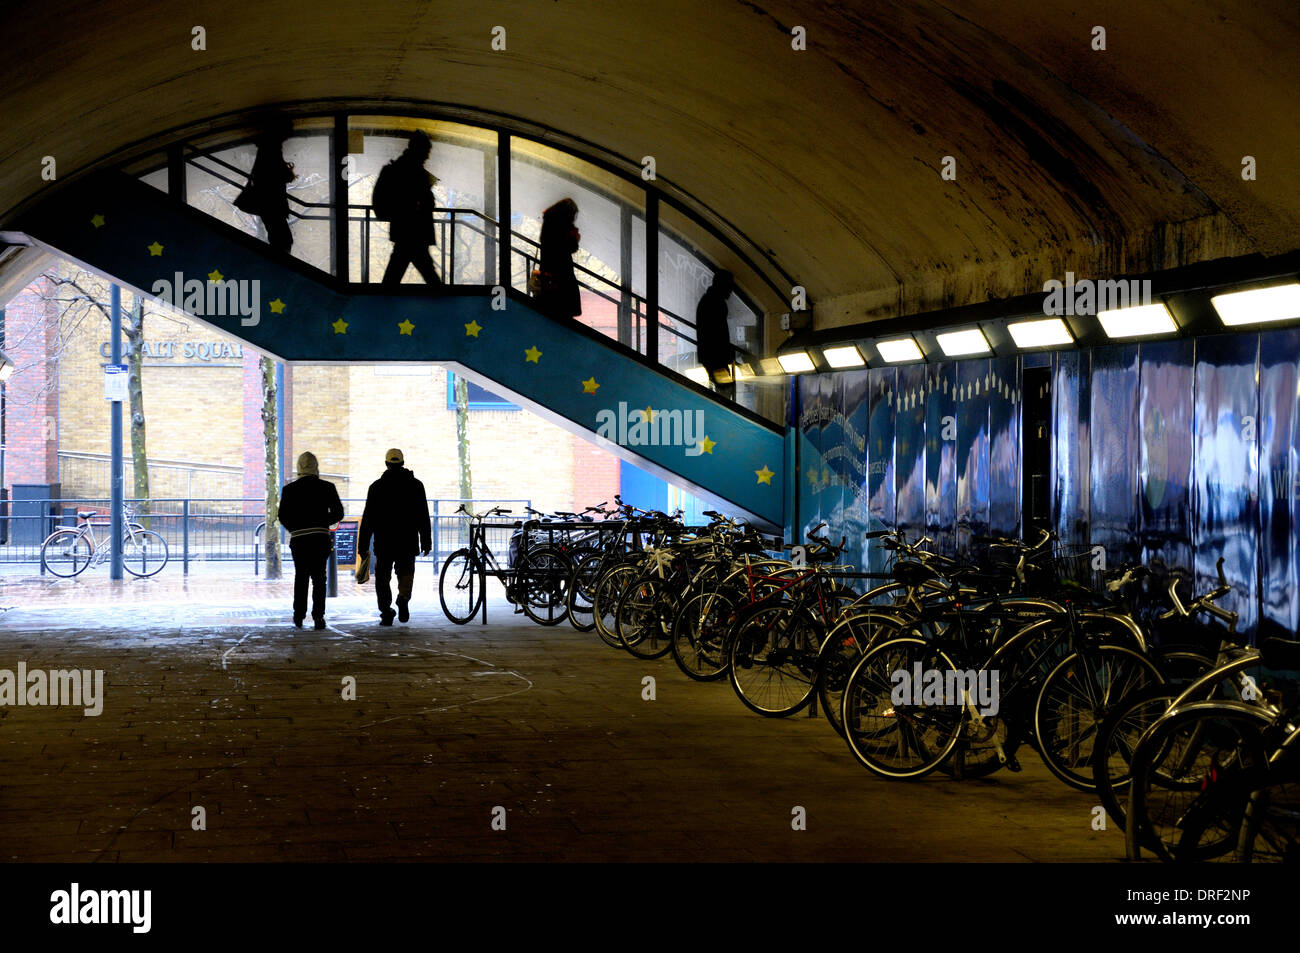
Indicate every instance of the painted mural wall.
{"type": "Point", "coordinates": [931, 449]}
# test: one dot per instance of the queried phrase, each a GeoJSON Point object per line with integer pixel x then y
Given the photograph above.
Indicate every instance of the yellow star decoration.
{"type": "Point", "coordinates": [765, 475]}
{"type": "Point", "coordinates": [707, 445]}
{"type": "Point", "coordinates": [812, 475]}
{"type": "Point", "coordinates": [277, 307]}
{"type": "Point", "coordinates": [589, 385]}
{"type": "Point", "coordinates": [215, 275]}
{"type": "Point", "coordinates": [406, 327]}
{"type": "Point", "coordinates": [649, 414]}
{"type": "Point", "coordinates": [532, 355]}
{"type": "Point", "coordinates": [340, 326]}
{"type": "Point", "coordinates": [97, 221]}
{"type": "Point", "coordinates": [155, 250]}
{"type": "Point", "coordinates": [472, 329]}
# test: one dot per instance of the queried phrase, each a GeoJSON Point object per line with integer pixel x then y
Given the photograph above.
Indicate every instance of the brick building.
{"type": "Point", "coordinates": [193, 376]}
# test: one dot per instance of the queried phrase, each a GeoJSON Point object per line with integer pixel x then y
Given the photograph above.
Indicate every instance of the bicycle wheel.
{"type": "Point", "coordinates": [461, 586]}
{"type": "Point", "coordinates": [582, 591]}
{"type": "Point", "coordinates": [66, 552]}
{"type": "Point", "coordinates": [844, 647]}
{"type": "Point", "coordinates": [1271, 829]}
{"type": "Point", "coordinates": [1078, 694]}
{"type": "Point", "coordinates": [700, 635]}
{"type": "Point", "coordinates": [1183, 778]}
{"type": "Point", "coordinates": [642, 620]}
{"type": "Point", "coordinates": [773, 657]}
{"type": "Point", "coordinates": [604, 602]}
{"type": "Point", "coordinates": [887, 730]}
{"type": "Point", "coordinates": [542, 585]}
{"type": "Point", "coordinates": [1117, 739]}
{"type": "Point", "coordinates": [144, 553]}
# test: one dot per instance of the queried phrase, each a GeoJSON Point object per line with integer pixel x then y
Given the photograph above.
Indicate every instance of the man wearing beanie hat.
{"type": "Point", "coordinates": [309, 506]}
{"type": "Point", "coordinates": [397, 518]}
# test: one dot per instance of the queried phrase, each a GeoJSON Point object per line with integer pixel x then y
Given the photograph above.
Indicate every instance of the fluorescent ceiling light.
{"type": "Point", "coordinates": [1259, 305]}
{"type": "Point", "coordinates": [899, 350]}
{"type": "Point", "coordinates": [1136, 322]}
{"type": "Point", "coordinates": [771, 366]}
{"type": "Point", "coordinates": [698, 374]}
{"type": "Point", "coordinates": [795, 362]}
{"type": "Point", "coordinates": [744, 372]}
{"type": "Point", "coordinates": [846, 355]}
{"type": "Point", "coordinates": [961, 343]}
{"type": "Point", "coordinates": [1051, 332]}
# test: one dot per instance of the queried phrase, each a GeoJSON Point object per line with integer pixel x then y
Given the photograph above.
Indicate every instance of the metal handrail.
{"type": "Point", "coordinates": [447, 219]}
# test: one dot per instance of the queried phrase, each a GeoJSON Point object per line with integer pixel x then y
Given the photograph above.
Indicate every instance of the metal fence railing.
{"type": "Point", "coordinates": [214, 530]}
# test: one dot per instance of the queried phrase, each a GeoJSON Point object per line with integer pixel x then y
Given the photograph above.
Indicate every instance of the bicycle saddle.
{"type": "Point", "coordinates": [912, 573]}
{"type": "Point", "coordinates": [86, 514]}
{"type": "Point", "coordinates": [982, 581]}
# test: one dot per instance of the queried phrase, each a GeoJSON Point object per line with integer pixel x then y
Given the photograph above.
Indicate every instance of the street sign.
{"type": "Point", "coordinates": [115, 381]}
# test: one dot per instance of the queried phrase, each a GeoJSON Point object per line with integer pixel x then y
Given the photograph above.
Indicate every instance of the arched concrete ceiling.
{"type": "Point", "coordinates": [1099, 162]}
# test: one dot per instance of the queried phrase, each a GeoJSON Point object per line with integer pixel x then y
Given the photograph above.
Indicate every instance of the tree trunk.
{"type": "Point", "coordinates": [271, 539]}
{"type": "Point", "coordinates": [461, 390]}
{"type": "Point", "coordinates": [134, 334]}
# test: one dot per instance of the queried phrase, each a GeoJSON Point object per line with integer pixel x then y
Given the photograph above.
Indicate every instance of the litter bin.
{"type": "Point", "coordinates": [35, 510]}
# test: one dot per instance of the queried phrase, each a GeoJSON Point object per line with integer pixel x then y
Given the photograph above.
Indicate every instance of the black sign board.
{"type": "Point", "coordinates": [345, 543]}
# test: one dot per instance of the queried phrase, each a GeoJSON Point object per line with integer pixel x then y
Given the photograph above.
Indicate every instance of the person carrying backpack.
{"type": "Point", "coordinates": [403, 197]}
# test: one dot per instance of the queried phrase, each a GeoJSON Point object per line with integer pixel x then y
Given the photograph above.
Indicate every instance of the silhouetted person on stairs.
{"type": "Point", "coordinates": [712, 336]}
{"type": "Point", "coordinates": [403, 197]}
{"type": "Point", "coordinates": [559, 296]}
{"type": "Point", "coordinates": [265, 195]}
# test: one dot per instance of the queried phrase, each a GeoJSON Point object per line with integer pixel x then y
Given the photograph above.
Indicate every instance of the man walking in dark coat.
{"type": "Point", "coordinates": [309, 506]}
{"type": "Point", "coordinates": [397, 518]}
{"type": "Point", "coordinates": [410, 201]}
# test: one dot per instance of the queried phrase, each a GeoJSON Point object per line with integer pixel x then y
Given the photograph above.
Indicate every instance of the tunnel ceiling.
{"type": "Point", "coordinates": [1066, 157]}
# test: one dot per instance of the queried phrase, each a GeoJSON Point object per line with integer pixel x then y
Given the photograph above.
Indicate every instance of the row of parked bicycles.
{"type": "Point", "coordinates": [1123, 683]}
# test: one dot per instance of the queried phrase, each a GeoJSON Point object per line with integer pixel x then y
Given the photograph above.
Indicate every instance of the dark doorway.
{"type": "Point", "coordinates": [1036, 459]}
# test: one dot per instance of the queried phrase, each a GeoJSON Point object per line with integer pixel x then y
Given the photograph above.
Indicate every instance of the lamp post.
{"type": "Point", "coordinates": [6, 371]}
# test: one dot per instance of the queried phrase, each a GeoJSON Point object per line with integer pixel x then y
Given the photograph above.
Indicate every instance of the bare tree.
{"type": "Point", "coordinates": [461, 390]}
{"type": "Point", "coordinates": [77, 297]}
{"type": "Point", "coordinates": [271, 536]}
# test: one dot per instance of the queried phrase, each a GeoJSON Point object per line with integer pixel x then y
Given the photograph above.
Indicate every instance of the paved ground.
{"type": "Point", "coordinates": [213, 700]}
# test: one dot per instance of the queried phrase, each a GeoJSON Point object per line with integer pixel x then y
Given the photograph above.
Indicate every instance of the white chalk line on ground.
{"type": "Point", "coordinates": [476, 701]}
{"type": "Point", "coordinates": [494, 670]}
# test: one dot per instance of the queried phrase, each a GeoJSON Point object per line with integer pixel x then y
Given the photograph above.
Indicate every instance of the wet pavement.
{"type": "Point", "coordinates": [216, 709]}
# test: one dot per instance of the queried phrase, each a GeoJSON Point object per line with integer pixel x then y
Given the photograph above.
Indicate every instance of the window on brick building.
{"type": "Point", "coordinates": [480, 398]}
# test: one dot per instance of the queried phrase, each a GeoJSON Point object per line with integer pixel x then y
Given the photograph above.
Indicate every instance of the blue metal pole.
{"type": "Point", "coordinates": [115, 502]}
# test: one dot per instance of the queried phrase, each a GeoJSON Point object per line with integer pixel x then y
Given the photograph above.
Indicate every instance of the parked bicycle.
{"type": "Point", "coordinates": [68, 551]}
{"type": "Point", "coordinates": [537, 584]}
